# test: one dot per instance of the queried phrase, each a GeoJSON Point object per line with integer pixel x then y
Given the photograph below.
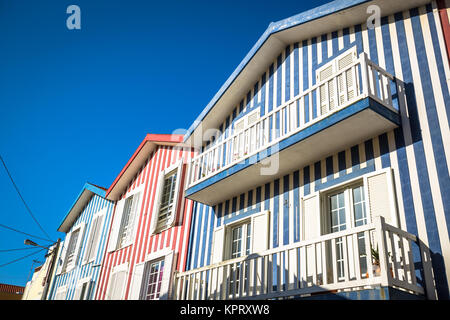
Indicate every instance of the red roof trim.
{"type": "Point", "coordinates": [155, 138]}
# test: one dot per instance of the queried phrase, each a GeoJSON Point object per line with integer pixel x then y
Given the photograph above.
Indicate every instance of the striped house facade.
{"type": "Point", "coordinates": [86, 227]}
{"type": "Point", "coordinates": [130, 266]}
{"type": "Point", "coordinates": [408, 44]}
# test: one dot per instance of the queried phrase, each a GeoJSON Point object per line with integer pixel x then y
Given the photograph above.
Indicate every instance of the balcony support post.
{"type": "Point", "coordinates": [386, 278]}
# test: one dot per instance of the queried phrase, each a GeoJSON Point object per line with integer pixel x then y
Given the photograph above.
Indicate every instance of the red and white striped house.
{"type": "Point", "coordinates": [148, 238]}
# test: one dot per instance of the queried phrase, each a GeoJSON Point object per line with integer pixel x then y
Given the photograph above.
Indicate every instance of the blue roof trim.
{"type": "Point", "coordinates": [87, 187]}
{"type": "Point", "coordinates": [274, 27]}
{"type": "Point", "coordinates": [339, 116]}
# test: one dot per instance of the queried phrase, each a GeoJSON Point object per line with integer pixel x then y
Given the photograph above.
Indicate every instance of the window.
{"type": "Point", "coordinates": [117, 282]}
{"type": "Point", "coordinates": [154, 271]}
{"type": "Point", "coordinates": [94, 236]}
{"type": "Point", "coordinates": [61, 293]}
{"type": "Point", "coordinates": [330, 96]}
{"type": "Point", "coordinates": [71, 254]}
{"type": "Point", "coordinates": [124, 221]}
{"type": "Point", "coordinates": [71, 248]}
{"type": "Point", "coordinates": [83, 289]}
{"type": "Point", "coordinates": [167, 194]}
{"type": "Point", "coordinates": [240, 238]}
{"type": "Point", "coordinates": [167, 198]}
{"type": "Point", "coordinates": [242, 141]}
{"type": "Point", "coordinates": [346, 208]}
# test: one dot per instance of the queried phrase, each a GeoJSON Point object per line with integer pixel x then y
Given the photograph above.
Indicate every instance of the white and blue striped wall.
{"type": "Point", "coordinates": [410, 46]}
{"type": "Point", "coordinates": [92, 269]}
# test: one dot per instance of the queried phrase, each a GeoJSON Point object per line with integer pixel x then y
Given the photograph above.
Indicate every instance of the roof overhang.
{"type": "Point", "coordinates": [321, 20]}
{"type": "Point", "coordinates": [80, 203]}
{"type": "Point", "coordinates": [138, 159]}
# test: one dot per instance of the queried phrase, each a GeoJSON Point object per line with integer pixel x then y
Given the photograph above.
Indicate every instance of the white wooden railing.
{"type": "Point", "coordinates": [367, 80]}
{"type": "Point", "coordinates": [333, 262]}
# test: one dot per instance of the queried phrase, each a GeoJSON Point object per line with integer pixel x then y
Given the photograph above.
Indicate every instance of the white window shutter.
{"type": "Point", "coordinates": [77, 294]}
{"type": "Point", "coordinates": [169, 262]}
{"type": "Point", "coordinates": [134, 218]}
{"type": "Point", "coordinates": [136, 281]}
{"type": "Point", "coordinates": [311, 216]}
{"type": "Point", "coordinates": [95, 241]}
{"type": "Point", "coordinates": [62, 257]}
{"type": "Point", "coordinates": [173, 215]}
{"type": "Point", "coordinates": [115, 228]}
{"type": "Point", "coordinates": [217, 253]}
{"type": "Point", "coordinates": [157, 202]}
{"type": "Point", "coordinates": [80, 241]}
{"type": "Point", "coordinates": [260, 228]}
{"type": "Point", "coordinates": [380, 190]}
{"type": "Point", "coordinates": [117, 285]}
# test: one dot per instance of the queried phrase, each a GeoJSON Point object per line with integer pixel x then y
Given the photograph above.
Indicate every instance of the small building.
{"type": "Point", "coordinates": [86, 227]}
{"type": "Point", "coordinates": [148, 238]}
{"type": "Point", "coordinates": [11, 292]}
{"type": "Point", "coordinates": [37, 287]}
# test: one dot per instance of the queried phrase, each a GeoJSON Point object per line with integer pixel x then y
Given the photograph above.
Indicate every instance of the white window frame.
{"type": "Point", "coordinates": [133, 219]}
{"type": "Point", "coordinates": [85, 281]}
{"type": "Point", "coordinates": [229, 237]}
{"type": "Point", "coordinates": [91, 236]}
{"type": "Point", "coordinates": [156, 226]}
{"type": "Point", "coordinates": [169, 257]}
{"type": "Point", "coordinates": [69, 267]}
{"type": "Point", "coordinates": [349, 205]}
{"type": "Point", "coordinates": [226, 239]}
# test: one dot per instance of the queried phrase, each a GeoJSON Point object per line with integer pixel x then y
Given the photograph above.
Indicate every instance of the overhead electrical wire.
{"type": "Point", "coordinates": [18, 231]}
{"type": "Point", "coordinates": [18, 249]}
{"type": "Point", "coordinates": [21, 258]}
{"type": "Point", "coordinates": [23, 200]}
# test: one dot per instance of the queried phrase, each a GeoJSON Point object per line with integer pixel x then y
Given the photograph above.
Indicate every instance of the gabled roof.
{"type": "Point", "coordinates": [320, 20]}
{"type": "Point", "coordinates": [82, 200]}
{"type": "Point", "coordinates": [138, 159]}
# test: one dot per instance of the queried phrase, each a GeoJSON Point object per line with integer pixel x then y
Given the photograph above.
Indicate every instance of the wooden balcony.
{"type": "Point", "coordinates": [334, 262]}
{"type": "Point", "coordinates": [353, 105]}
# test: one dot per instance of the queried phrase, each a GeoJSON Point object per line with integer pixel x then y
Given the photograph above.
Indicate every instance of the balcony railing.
{"type": "Point", "coordinates": [358, 80]}
{"type": "Point", "coordinates": [330, 263]}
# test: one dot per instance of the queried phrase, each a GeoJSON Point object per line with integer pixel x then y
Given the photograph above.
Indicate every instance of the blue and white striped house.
{"type": "Point", "coordinates": [322, 163]}
{"type": "Point", "coordinates": [86, 226]}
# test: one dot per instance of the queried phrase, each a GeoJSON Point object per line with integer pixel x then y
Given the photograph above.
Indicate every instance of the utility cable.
{"type": "Point", "coordinates": [18, 231]}
{"type": "Point", "coordinates": [19, 249]}
{"type": "Point", "coordinates": [15, 260]}
{"type": "Point", "coordinates": [20, 195]}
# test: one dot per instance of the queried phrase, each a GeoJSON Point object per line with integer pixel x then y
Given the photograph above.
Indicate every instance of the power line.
{"type": "Point", "coordinates": [15, 260]}
{"type": "Point", "coordinates": [19, 249]}
{"type": "Point", "coordinates": [20, 195]}
{"type": "Point", "coordinates": [18, 231]}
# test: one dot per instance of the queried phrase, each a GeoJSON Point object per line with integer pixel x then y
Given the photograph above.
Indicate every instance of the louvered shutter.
{"type": "Point", "coordinates": [260, 228]}
{"type": "Point", "coordinates": [380, 191]}
{"type": "Point", "coordinates": [157, 203]}
{"type": "Point", "coordinates": [115, 227]}
{"type": "Point", "coordinates": [347, 81]}
{"type": "Point", "coordinates": [96, 237]}
{"type": "Point", "coordinates": [217, 252]}
{"type": "Point", "coordinates": [62, 258]}
{"type": "Point", "coordinates": [136, 282]}
{"type": "Point", "coordinates": [174, 213]}
{"type": "Point", "coordinates": [327, 90]}
{"type": "Point", "coordinates": [169, 261]}
{"type": "Point", "coordinates": [134, 218]}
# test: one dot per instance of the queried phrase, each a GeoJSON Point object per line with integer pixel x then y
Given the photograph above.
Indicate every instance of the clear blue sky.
{"type": "Point", "coordinates": [75, 104]}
